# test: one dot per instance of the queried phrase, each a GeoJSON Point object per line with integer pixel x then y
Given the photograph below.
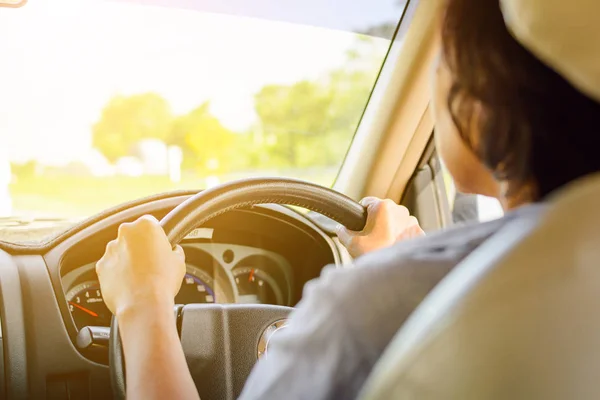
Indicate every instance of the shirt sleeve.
{"type": "Point", "coordinates": [315, 357]}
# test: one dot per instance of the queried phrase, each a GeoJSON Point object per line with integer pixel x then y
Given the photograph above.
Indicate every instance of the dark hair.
{"type": "Point", "coordinates": [531, 125]}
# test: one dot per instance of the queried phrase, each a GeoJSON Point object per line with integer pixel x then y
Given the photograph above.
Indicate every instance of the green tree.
{"type": "Point", "coordinates": [311, 123]}
{"type": "Point", "coordinates": [290, 116]}
{"type": "Point", "coordinates": [125, 120]}
{"type": "Point", "coordinates": [208, 146]}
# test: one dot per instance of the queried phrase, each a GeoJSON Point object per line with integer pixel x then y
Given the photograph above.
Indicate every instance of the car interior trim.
{"type": "Point", "coordinates": [401, 93]}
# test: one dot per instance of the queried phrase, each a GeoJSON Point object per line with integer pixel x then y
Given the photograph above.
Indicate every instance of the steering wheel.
{"type": "Point", "coordinates": [221, 342]}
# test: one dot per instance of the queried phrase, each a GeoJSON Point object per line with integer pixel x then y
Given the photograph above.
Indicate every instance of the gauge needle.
{"type": "Point", "coordinates": [251, 275]}
{"type": "Point", "coordinates": [93, 314]}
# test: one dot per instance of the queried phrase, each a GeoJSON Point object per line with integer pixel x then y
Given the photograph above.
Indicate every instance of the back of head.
{"type": "Point", "coordinates": [525, 122]}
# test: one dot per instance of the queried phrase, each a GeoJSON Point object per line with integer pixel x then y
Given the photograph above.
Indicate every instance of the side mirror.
{"type": "Point", "coordinates": [12, 3]}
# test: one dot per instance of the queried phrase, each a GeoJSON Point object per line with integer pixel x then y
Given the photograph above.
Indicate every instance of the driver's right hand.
{"type": "Point", "coordinates": [387, 223]}
{"type": "Point", "coordinates": [140, 268]}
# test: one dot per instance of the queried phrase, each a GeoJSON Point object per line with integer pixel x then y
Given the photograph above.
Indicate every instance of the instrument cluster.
{"type": "Point", "coordinates": [216, 273]}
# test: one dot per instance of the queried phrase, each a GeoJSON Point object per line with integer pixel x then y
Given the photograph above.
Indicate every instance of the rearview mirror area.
{"type": "Point", "coordinates": [12, 3]}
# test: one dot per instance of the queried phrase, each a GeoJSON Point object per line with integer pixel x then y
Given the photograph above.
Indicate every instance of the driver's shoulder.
{"type": "Point", "coordinates": [447, 245]}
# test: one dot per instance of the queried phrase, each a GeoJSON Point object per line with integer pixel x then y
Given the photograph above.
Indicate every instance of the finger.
{"type": "Point", "coordinates": [344, 235]}
{"type": "Point", "coordinates": [388, 210]}
{"type": "Point", "coordinates": [149, 218]}
{"type": "Point", "coordinates": [110, 247]}
{"type": "Point", "coordinates": [394, 210]}
{"type": "Point", "coordinates": [147, 227]}
{"type": "Point", "coordinates": [124, 229]}
{"type": "Point", "coordinates": [383, 213]}
{"type": "Point", "coordinates": [369, 201]}
{"type": "Point", "coordinates": [148, 223]}
{"type": "Point", "coordinates": [411, 232]}
{"type": "Point", "coordinates": [404, 211]}
{"type": "Point", "coordinates": [412, 221]}
{"type": "Point", "coordinates": [178, 250]}
{"type": "Point", "coordinates": [417, 230]}
{"type": "Point", "coordinates": [99, 266]}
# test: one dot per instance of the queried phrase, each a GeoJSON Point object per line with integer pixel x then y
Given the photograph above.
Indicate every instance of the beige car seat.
{"type": "Point", "coordinates": [518, 319]}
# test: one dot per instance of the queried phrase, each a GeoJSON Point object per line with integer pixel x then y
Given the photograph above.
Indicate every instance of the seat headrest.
{"type": "Point", "coordinates": [563, 35]}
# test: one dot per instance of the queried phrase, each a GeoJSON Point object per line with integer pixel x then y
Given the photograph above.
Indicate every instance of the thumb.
{"type": "Point", "coordinates": [368, 202]}
{"type": "Point", "coordinates": [344, 235]}
{"type": "Point", "coordinates": [178, 250]}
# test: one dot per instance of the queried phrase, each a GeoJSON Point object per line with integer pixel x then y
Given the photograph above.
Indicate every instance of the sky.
{"type": "Point", "coordinates": [63, 60]}
{"type": "Point", "coordinates": [355, 15]}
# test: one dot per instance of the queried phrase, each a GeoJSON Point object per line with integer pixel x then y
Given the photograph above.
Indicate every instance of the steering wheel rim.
{"type": "Point", "coordinates": [208, 204]}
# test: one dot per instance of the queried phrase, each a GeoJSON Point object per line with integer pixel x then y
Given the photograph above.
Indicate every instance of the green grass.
{"type": "Point", "coordinates": [82, 196]}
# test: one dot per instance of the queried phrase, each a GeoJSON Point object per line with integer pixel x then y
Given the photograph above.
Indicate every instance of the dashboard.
{"type": "Point", "coordinates": [259, 255]}
{"type": "Point", "coordinates": [215, 273]}
{"type": "Point", "coordinates": [49, 292]}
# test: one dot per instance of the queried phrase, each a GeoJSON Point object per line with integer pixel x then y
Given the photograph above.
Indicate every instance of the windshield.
{"type": "Point", "coordinates": [103, 102]}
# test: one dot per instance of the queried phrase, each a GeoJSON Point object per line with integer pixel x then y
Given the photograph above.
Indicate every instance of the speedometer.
{"type": "Point", "coordinates": [197, 287]}
{"type": "Point", "coordinates": [88, 308]}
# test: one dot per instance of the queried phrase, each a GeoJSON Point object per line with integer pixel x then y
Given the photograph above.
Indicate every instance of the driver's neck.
{"type": "Point", "coordinates": [525, 195]}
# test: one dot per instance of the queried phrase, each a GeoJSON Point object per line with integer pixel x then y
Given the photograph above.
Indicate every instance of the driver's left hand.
{"type": "Point", "coordinates": [140, 268]}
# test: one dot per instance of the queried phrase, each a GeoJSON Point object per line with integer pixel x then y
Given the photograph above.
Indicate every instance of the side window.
{"type": "Point", "coordinates": [470, 207]}
{"type": "Point", "coordinates": [432, 197]}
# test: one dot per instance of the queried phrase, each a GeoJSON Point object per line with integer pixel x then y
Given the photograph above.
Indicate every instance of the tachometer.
{"type": "Point", "coordinates": [87, 306]}
{"type": "Point", "coordinates": [256, 286]}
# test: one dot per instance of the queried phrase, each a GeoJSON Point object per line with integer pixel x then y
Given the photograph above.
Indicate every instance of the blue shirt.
{"type": "Point", "coordinates": [349, 315]}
